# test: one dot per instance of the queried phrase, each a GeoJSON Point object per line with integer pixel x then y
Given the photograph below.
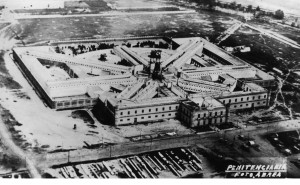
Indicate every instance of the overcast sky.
{"type": "Point", "coordinates": [291, 6]}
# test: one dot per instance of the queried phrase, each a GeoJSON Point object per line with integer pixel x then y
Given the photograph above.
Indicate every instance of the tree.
{"type": "Point", "coordinates": [257, 8]}
{"type": "Point", "coordinates": [279, 14]}
{"type": "Point", "coordinates": [103, 57]}
{"type": "Point", "coordinates": [293, 24]}
{"type": "Point", "coordinates": [232, 5]}
{"type": "Point", "coordinates": [249, 8]}
{"type": "Point", "coordinates": [212, 3]}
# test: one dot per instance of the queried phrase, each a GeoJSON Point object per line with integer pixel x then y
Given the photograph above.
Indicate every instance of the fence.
{"type": "Point", "coordinates": [124, 149]}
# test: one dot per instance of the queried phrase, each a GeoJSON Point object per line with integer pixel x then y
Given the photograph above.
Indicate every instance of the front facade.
{"type": "Point", "coordinates": [146, 113]}
{"type": "Point", "coordinates": [193, 114]}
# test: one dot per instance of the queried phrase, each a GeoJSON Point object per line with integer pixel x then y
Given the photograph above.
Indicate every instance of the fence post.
{"type": "Point", "coordinates": [109, 150]}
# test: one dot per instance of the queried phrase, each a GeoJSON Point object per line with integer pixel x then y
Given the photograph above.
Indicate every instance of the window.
{"type": "Point", "coordinates": [253, 97]}
{"type": "Point", "coordinates": [163, 108]}
{"type": "Point", "coordinates": [242, 99]}
{"type": "Point", "coordinates": [247, 104]}
{"type": "Point", "coordinates": [149, 116]}
{"type": "Point", "coordinates": [176, 107]}
{"type": "Point", "coordinates": [156, 109]}
{"type": "Point", "coordinates": [235, 106]}
{"type": "Point", "coordinates": [258, 97]}
{"type": "Point", "coordinates": [156, 116]}
{"type": "Point", "coordinates": [204, 115]}
{"type": "Point", "coordinates": [223, 101]}
{"type": "Point", "coordinates": [265, 96]}
{"type": "Point", "coordinates": [241, 105]}
{"type": "Point", "coordinates": [247, 98]}
{"type": "Point", "coordinates": [128, 112]}
{"type": "Point", "coordinates": [142, 110]}
{"type": "Point", "coordinates": [229, 100]}
{"type": "Point", "coordinates": [235, 100]}
{"type": "Point", "coordinates": [135, 111]}
{"type": "Point", "coordinates": [198, 115]}
{"type": "Point", "coordinates": [128, 119]}
{"type": "Point", "coordinates": [142, 117]}
{"type": "Point", "coordinates": [221, 113]}
{"type": "Point", "coordinates": [210, 114]}
{"type": "Point", "coordinates": [149, 110]}
{"type": "Point", "coordinates": [170, 114]}
{"type": "Point", "coordinates": [121, 120]}
{"type": "Point", "coordinates": [163, 115]}
{"type": "Point", "coordinates": [258, 103]}
{"type": "Point", "coordinates": [264, 102]}
{"type": "Point", "coordinates": [169, 108]}
{"type": "Point", "coordinates": [121, 113]}
{"type": "Point", "coordinates": [216, 113]}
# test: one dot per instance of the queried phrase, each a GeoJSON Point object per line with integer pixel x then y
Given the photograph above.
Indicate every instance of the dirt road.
{"type": "Point", "coordinates": [7, 141]}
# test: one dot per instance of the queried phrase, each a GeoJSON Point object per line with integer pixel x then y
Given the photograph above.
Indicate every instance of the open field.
{"type": "Point", "coordinates": [197, 24]}
{"type": "Point", "coordinates": [264, 50]}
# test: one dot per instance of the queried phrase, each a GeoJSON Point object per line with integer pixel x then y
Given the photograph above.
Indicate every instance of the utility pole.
{"type": "Point", "coordinates": [109, 150]}
{"type": "Point", "coordinates": [140, 135]}
{"type": "Point", "coordinates": [68, 156]}
{"type": "Point", "coordinates": [102, 142]}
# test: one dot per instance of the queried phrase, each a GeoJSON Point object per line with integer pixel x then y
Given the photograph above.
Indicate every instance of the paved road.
{"type": "Point", "coordinates": [133, 148]}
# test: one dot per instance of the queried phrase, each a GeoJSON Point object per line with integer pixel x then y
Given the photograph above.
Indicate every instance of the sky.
{"type": "Point", "coordinates": [288, 6]}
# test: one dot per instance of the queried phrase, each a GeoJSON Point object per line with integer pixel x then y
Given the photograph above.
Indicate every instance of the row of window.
{"type": "Point", "coordinates": [149, 117]}
{"type": "Point", "coordinates": [204, 122]}
{"type": "Point", "coordinates": [258, 103]}
{"type": "Point", "coordinates": [199, 115]}
{"type": "Point", "coordinates": [75, 102]}
{"type": "Point", "coordinates": [210, 114]}
{"type": "Point", "coordinates": [203, 86]}
{"type": "Point", "coordinates": [242, 99]}
{"type": "Point", "coordinates": [150, 110]}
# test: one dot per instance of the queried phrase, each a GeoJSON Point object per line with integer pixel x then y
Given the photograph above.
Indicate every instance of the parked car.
{"type": "Point", "coordinates": [251, 143]}
{"type": "Point", "coordinates": [287, 152]}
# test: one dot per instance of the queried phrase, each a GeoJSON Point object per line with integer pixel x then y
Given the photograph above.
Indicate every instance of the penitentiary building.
{"type": "Point", "coordinates": [189, 79]}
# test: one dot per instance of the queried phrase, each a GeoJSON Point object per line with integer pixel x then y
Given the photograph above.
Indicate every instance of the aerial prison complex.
{"type": "Point", "coordinates": [190, 79]}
